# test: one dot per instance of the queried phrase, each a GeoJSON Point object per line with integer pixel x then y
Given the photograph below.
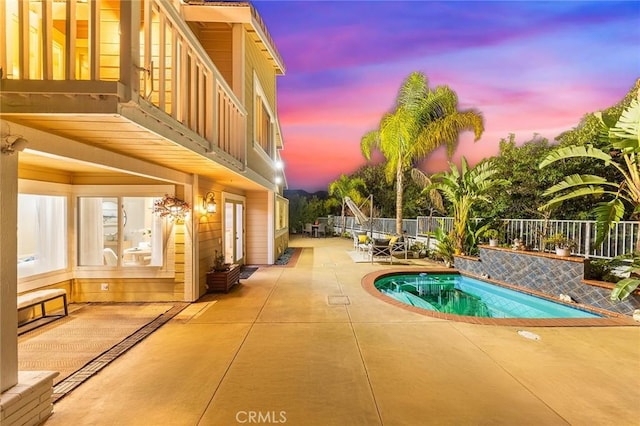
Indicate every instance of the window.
{"type": "Point", "coordinates": [263, 127]}
{"type": "Point", "coordinates": [282, 213]}
{"type": "Point", "coordinates": [119, 231]}
{"type": "Point", "coordinates": [42, 234]}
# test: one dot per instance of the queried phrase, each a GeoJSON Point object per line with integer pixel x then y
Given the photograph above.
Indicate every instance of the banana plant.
{"type": "Point", "coordinates": [465, 188]}
{"type": "Point", "coordinates": [624, 142]}
{"type": "Point", "coordinates": [630, 265]}
{"type": "Point", "coordinates": [623, 139]}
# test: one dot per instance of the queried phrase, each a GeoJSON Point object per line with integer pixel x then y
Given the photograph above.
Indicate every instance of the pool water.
{"type": "Point", "coordinates": [461, 295]}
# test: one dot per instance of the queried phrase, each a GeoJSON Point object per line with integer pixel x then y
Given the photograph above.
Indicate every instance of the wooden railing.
{"type": "Point", "coordinates": [152, 53]}
{"type": "Point", "coordinates": [186, 84]}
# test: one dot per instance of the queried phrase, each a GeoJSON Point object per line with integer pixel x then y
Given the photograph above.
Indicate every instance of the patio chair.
{"type": "Point", "coordinates": [360, 241]}
{"type": "Point", "coordinates": [322, 229]}
{"type": "Point", "coordinates": [308, 230]}
{"type": "Point", "coordinates": [380, 249]}
{"type": "Point", "coordinates": [398, 245]}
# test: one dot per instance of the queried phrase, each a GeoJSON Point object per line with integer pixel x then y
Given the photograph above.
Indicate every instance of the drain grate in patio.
{"type": "Point", "coordinates": [76, 379]}
{"type": "Point", "coordinates": [338, 300]}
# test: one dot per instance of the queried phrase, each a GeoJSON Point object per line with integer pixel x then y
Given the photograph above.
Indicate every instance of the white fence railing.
{"type": "Point", "coordinates": [531, 232]}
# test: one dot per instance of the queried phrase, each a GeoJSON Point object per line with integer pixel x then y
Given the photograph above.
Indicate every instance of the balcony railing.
{"type": "Point", "coordinates": [149, 49]}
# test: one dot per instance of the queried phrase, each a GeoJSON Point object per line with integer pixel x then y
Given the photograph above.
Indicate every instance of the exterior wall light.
{"type": "Point", "coordinates": [209, 203]}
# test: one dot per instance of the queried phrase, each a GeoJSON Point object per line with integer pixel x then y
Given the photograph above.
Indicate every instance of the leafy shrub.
{"type": "Point", "coordinates": [445, 247]}
{"type": "Point", "coordinates": [602, 270]}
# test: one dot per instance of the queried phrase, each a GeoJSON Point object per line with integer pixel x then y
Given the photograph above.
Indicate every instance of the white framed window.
{"type": "Point", "coordinates": [263, 122]}
{"type": "Point", "coordinates": [42, 234]}
{"type": "Point", "coordinates": [282, 213]}
{"type": "Point", "coordinates": [117, 229]}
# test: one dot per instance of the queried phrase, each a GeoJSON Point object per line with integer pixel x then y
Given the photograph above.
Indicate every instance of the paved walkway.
{"type": "Point", "coordinates": [284, 348]}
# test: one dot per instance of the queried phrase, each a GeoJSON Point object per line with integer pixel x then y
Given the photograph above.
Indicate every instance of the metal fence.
{"type": "Point", "coordinates": [532, 232]}
{"type": "Point", "coordinates": [379, 225]}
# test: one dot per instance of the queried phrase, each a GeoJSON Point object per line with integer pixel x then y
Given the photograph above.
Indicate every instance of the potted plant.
{"type": "Point", "coordinates": [222, 276]}
{"type": "Point", "coordinates": [492, 235]}
{"type": "Point", "coordinates": [418, 249]}
{"type": "Point", "coordinates": [562, 244]}
{"type": "Point", "coordinates": [517, 244]}
{"type": "Point", "coordinates": [219, 265]}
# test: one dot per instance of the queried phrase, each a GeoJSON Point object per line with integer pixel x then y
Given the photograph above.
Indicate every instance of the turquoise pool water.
{"type": "Point", "coordinates": [461, 295]}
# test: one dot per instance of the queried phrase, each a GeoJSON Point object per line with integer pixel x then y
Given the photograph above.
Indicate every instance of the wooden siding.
{"type": "Point", "coordinates": [257, 65]}
{"type": "Point", "coordinates": [256, 62]}
{"type": "Point", "coordinates": [180, 261]}
{"type": "Point", "coordinates": [216, 39]}
{"type": "Point", "coordinates": [282, 242]}
{"type": "Point", "coordinates": [44, 174]}
{"type": "Point", "coordinates": [257, 226]}
{"type": "Point", "coordinates": [127, 290]}
{"type": "Point", "coordinates": [209, 228]}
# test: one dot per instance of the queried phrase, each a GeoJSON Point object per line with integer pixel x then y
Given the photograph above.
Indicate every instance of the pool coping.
{"type": "Point", "coordinates": [612, 319]}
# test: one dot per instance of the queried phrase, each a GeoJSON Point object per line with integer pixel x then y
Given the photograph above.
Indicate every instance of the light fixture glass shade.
{"type": "Point", "coordinates": [209, 203]}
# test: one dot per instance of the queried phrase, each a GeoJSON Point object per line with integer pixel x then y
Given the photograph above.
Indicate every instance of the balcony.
{"type": "Point", "coordinates": [135, 64]}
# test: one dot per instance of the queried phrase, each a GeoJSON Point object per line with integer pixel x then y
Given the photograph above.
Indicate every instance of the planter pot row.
{"type": "Point", "coordinates": [563, 252]}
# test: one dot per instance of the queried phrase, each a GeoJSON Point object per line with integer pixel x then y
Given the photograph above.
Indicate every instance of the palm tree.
{"type": "Point", "coordinates": [464, 188]}
{"type": "Point", "coordinates": [423, 120]}
{"type": "Point", "coordinates": [345, 187]}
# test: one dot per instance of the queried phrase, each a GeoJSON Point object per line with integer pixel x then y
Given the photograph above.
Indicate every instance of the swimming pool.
{"type": "Point", "coordinates": [461, 295]}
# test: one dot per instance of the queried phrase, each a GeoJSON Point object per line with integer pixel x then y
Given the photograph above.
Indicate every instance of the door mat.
{"type": "Point", "coordinates": [246, 271]}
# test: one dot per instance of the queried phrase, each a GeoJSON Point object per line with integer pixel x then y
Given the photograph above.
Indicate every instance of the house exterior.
{"type": "Point", "coordinates": [140, 141]}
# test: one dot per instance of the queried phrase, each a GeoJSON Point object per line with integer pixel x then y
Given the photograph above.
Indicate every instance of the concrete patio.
{"type": "Point", "coordinates": [306, 345]}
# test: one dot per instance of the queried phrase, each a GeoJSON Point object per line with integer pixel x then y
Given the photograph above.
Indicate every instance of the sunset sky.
{"type": "Point", "coordinates": [527, 67]}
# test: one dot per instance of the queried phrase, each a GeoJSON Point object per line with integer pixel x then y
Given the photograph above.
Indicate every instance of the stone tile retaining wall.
{"type": "Point", "coordinates": [544, 272]}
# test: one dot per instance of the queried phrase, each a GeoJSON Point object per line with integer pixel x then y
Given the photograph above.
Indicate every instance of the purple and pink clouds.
{"type": "Point", "coordinates": [528, 67]}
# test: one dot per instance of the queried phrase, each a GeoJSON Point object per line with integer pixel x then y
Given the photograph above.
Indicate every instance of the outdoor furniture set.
{"type": "Point", "coordinates": [380, 248]}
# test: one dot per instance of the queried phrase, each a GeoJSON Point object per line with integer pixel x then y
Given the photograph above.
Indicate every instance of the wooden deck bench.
{"type": "Point", "coordinates": [40, 298]}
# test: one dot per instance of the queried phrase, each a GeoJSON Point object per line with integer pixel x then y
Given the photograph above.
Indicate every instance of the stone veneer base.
{"type": "Point", "coordinates": [29, 402]}
{"type": "Point", "coordinates": [545, 273]}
